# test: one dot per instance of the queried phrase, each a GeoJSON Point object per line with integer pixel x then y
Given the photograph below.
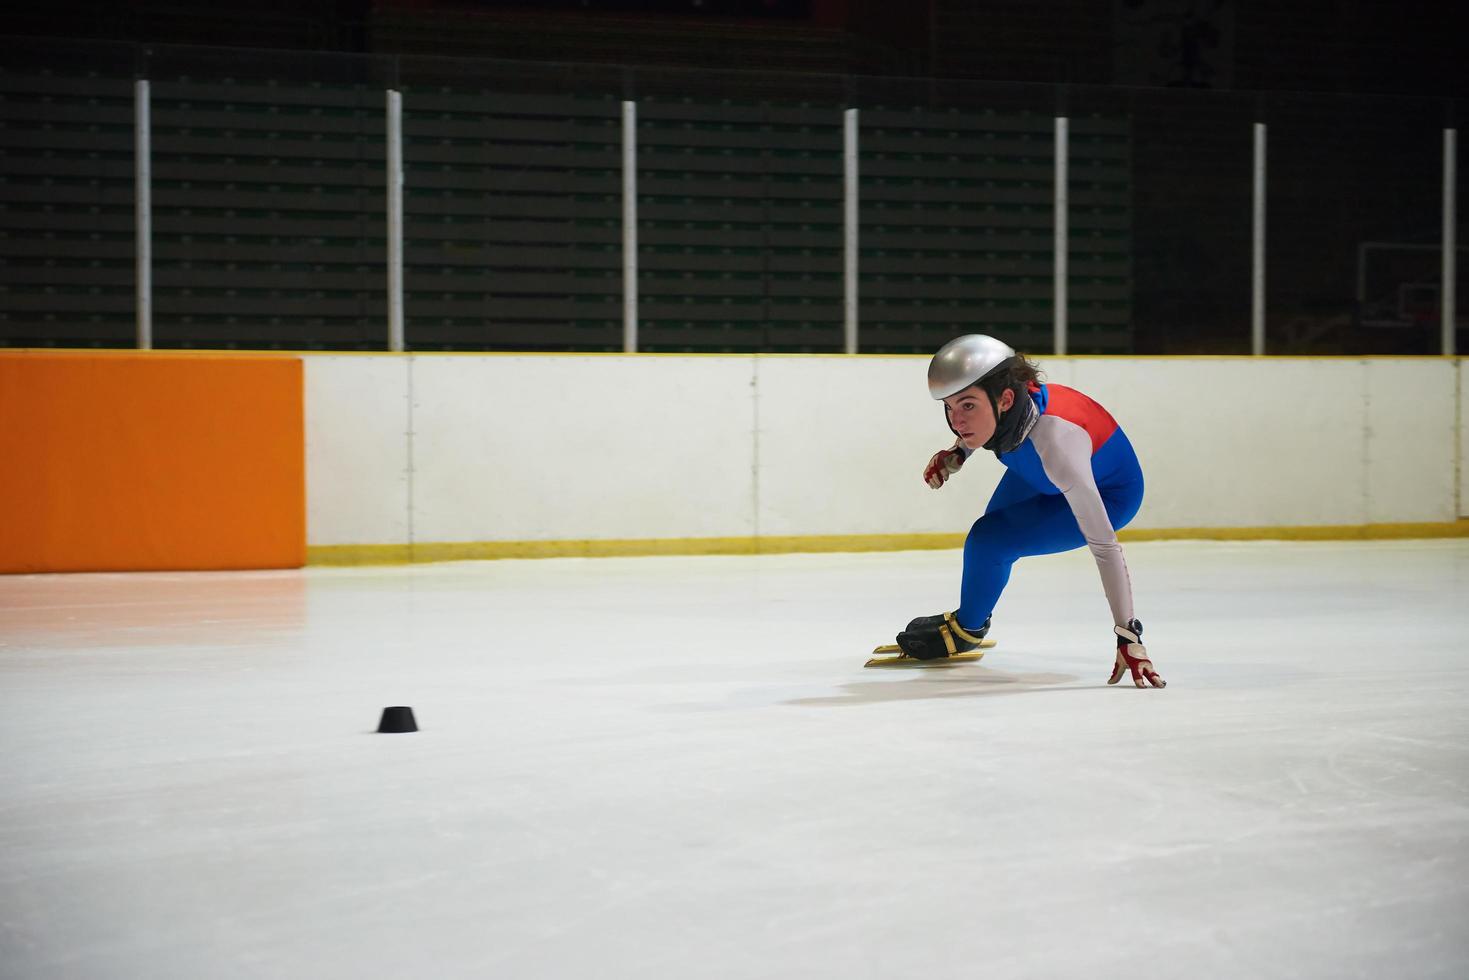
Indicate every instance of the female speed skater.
{"type": "Point", "coordinates": [1071, 479]}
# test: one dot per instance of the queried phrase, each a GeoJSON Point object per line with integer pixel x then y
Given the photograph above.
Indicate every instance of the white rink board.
{"type": "Point", "coordinates": [357, 425]}
{"type": "Point", "coordinates": [1233, 442]}
{"type": "Point", "coordinates": [1462, 396]}
{"type": "Point", "coordinates": [537, 448]}
{"type": "Point", "coordinates": [1411, 408]}
{"type": "Point", "coordinates": [597, 447]}
{"type": "Point", "coordinates": [842, 451]}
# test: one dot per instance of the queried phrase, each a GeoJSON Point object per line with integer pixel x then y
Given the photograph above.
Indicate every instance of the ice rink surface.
{"type": "Point", "coordinates": [677, 767]}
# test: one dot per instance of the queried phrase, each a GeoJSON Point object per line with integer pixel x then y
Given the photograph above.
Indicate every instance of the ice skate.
{"type": "Point", "coordinates": [933, 641]}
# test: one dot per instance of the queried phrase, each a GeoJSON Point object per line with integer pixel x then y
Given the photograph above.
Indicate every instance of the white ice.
{"type": "Point", "coordinates": [678, 767]}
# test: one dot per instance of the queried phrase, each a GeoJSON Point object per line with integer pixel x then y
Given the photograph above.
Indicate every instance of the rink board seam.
{"type": "Point", "coordinates": [383, 554]}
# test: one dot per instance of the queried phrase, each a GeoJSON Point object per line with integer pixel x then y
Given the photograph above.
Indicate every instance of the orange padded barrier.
{"type": "Point", "coordinates": [121, 462]}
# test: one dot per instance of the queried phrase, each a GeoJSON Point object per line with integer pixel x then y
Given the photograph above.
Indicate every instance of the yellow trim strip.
{"type": "Point", "coordinates": [1040, 358]}
{"type": "Point", "coordinates": [1309, 532]}
{"type": "Point", "coordinates": [392, 554]}
{"type": "Point", "coordinates": [380, 554]}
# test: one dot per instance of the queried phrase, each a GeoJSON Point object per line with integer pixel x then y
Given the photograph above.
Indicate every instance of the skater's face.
{"type": "Point", "coordinates": [970, 415]}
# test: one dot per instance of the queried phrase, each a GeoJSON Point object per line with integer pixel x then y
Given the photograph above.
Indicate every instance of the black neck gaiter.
{"type": "Point", "coordinates": [1015, 424]}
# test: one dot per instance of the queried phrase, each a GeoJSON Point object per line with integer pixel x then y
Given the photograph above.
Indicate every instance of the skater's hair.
{"type": "Point", "coordinates": [1020, 372]}
{"type": "Point", "coordinates": [1024, 370]}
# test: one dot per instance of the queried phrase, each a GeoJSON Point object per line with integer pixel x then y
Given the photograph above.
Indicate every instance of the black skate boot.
{"type": "Point", "coordinates": [939, 637]}
{"type": "Point", "coordinates": [933, 641]}
{"type": "Point", "coordinates": [926, 623]}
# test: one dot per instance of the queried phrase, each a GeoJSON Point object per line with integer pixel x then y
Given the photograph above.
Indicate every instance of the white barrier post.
{"type": "Point", "coordinates": [629, 226]}
{"type": "Point", "coordinates": [849, 230]}
{"type": "Point", "coordinates": [143, 209]}
{"type": "Point", "coordinates": [1059, 209]}
{"type": "Point", "coordinates": [395, 220]}
{"type": "Point", "coordinates": [1450, 270]}
{"type": "Point", "coordinates": [1257, 260]}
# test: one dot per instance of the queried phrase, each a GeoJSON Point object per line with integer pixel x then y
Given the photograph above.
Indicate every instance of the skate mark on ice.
{"type": "Point", "coordinates": [975, 682]}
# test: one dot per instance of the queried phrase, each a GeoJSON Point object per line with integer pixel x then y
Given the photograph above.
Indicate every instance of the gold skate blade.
{"type": "Point", "coordinates": [891, 655]}
{"type": "Point", "coordinates": [903, 660]}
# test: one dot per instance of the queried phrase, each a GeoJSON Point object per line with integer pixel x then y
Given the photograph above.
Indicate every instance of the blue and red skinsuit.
{"type": "Point", "coordinates": [1073, 481]}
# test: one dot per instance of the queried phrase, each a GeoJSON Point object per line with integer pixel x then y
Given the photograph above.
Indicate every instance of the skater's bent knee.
{"type": "Point", "coordinates": [991, 535]}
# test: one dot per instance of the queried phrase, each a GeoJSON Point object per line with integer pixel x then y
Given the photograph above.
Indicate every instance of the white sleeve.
{"type": "Point", "coordinates": [1065, 450]}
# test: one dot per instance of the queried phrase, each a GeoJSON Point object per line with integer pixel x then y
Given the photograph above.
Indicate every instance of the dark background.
{"type": "Point", "coordinates": [268, 172]}
{"type": "Point", "coordinates": [1360, 46]}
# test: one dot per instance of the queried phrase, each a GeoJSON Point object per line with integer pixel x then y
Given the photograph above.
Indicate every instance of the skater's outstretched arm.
{"type": "Point", "coordinates": [1065, 450]}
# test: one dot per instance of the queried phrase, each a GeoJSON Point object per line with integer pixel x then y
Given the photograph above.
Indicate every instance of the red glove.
{"type": "Point", "coordinates": [1133, 656]}
{"type": "Point", "coordinates": [945, 463]}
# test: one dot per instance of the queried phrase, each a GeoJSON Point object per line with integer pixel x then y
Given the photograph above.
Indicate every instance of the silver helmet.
{"type": "Point", "coordinates": [963, 361]}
